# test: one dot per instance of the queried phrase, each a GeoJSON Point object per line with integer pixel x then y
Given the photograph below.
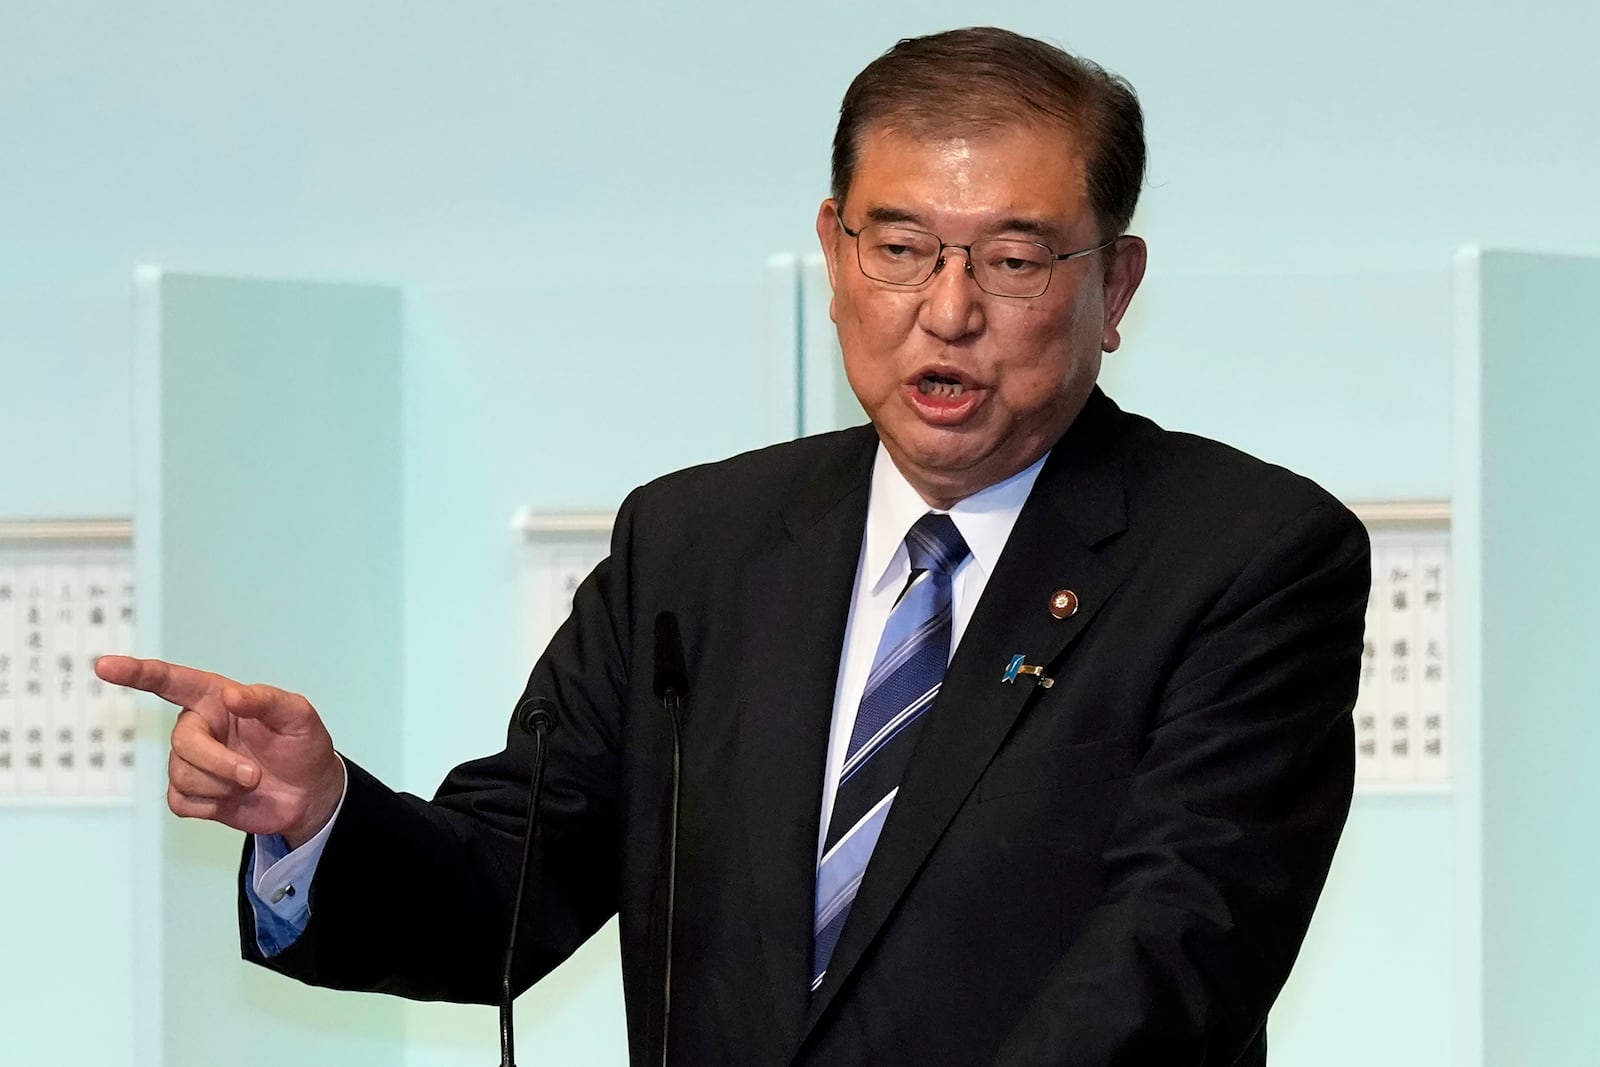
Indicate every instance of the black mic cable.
{"type": "Point", "coordinates": [535, 716]}
{"type": "Point", "coordinates": [671, 686]}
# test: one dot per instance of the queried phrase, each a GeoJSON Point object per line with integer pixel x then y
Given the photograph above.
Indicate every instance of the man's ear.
{"type": "Point", "coordinates": [1122, 279]}
{"type": "Point", "coordinates": [829, 235]}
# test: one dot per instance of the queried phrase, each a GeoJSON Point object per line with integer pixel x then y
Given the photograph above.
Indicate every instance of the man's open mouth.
{"type": "Point", "coordinates": [938, 385]}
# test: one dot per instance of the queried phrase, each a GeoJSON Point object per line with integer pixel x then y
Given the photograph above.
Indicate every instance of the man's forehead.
{"type": "Point", "coordinates": [910, 132]}
{"type": "Point", "coordinates": [1015, 176]}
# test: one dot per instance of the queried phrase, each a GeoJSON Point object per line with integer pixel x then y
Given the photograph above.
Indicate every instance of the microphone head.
{"type": "Point", "coordinates": [537, 715]}
{"type": "Point", "coordinates": [671, 677]}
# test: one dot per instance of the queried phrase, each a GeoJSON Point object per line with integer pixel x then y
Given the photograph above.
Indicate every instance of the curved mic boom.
{"type": "Point", "coordinates": [536, 717]}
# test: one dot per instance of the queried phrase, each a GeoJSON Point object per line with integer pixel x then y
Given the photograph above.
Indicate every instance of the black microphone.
{"type": "Point", "coordinates": [535, 716]}
{"type": "Point", "coordinates": [671, 679]}
{"type": "Point", "coordinates": [671, 686]}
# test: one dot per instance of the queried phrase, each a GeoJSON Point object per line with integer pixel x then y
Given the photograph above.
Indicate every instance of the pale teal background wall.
{"type": "Point", "coordinates": [578, 201]}
{"type": "Point", "coordinates": [1539, 689]}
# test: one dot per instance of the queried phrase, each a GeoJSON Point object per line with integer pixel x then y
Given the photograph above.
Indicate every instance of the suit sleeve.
{"type": "Point", "coordinates": [1232, 816]}
{"type": "Point", "coordinates": [413, 897]}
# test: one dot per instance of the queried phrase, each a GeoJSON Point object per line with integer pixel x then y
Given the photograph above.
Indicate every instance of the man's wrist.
{"type": "Point", "coordinates": [320, 812]}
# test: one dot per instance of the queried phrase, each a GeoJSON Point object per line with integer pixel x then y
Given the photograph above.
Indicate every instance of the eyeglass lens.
{"type": "Point", "coordinates": [1001, 266]}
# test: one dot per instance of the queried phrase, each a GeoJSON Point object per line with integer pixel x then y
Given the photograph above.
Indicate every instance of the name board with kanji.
{"type": "Point", "coordinates": [1402, 715]}
{"type": "Point", "coordinates": [66, 597]}
{"type": "Point", "coordinates": [560, 551]}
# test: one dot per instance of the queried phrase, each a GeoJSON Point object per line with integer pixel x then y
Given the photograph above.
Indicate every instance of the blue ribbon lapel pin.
{"type": "Point", "coordinates": [1018, 667]}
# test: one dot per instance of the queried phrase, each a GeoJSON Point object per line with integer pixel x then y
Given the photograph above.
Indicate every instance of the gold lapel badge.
{"type": "Point", "coordinates": [1016, 667]}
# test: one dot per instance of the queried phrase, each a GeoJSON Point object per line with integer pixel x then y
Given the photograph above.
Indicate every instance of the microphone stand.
{"type": "Point", "coordinates": [536, 717]}
{"type": "Point", "coordinates": [672, 701]}
{"type": "Point", "coordinates": [671, 683]}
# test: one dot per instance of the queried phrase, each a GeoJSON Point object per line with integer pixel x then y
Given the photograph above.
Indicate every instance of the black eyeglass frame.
{"type": "Point", "coordinates": [938, 262]}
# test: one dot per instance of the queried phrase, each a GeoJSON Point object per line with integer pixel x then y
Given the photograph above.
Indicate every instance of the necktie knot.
{"type": "Point", "coordinates": [935, 544]}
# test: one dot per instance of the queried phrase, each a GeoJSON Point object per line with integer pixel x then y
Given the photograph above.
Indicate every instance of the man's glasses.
{"type": "Point", "coordinates": [1002, 266]}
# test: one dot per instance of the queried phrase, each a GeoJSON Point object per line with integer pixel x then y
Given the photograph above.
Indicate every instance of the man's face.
{"type": "Point", "coordinates": [965, 388]}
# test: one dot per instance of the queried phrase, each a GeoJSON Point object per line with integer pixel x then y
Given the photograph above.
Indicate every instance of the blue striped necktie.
{"type": "Point", "coordinates": [905, 679]}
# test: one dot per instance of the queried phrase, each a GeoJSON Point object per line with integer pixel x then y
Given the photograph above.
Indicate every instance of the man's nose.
{"type": "Point", "coordinates": [954, 304]}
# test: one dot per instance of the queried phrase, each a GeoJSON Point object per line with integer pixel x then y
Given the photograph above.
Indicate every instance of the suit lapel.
{"type": "Point", "coordinates": [1076, 505]}
{"type": "Point", "coordinates": [796, 602]}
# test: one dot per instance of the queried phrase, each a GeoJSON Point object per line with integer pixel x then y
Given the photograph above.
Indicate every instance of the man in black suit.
{"type": "Point", "coordinates": [1113, 812]}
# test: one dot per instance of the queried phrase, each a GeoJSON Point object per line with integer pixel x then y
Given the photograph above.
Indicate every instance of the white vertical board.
{"type": "Point", "coordinates": [1402, 712]}
{"type": "Point", "coordinates": [98, 745]}
{"type": "Point", "coordinates": [1371, 717]}
{"type": "Point", "coordinates": [10, 682]}
{"type": "Point", "coordinates": [1433, 753]}
{"type": "Point", "coordinates": [1398, 558]}
{"type": "Point", "coordinates": [561, 549]}
{"type": "Point", "coordinates": [34, 586]}
{"type": "Point", "coordinates": [63, 666]}
{"type": "Point", "coordinates": [120, 635]}
{"type": "Point", "coordinates": [66, 597]}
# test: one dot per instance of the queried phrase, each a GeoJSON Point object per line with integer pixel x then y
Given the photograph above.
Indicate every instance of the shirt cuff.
{"type": "Point", "coordinates": [278, 882]}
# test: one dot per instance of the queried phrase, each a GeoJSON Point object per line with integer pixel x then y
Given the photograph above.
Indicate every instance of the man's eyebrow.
{"type": "Point", "coordinates": [1032, 227]}
{"type": "Point", "coordinates": [882, 213]}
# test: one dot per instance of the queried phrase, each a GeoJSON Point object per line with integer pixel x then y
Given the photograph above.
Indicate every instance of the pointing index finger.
{"type": "Point", "coordinates": [172, 682]}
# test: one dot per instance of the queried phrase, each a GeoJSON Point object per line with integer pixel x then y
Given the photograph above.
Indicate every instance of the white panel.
{"type": "Point", "coordinates": [99, 617]}
{"type": "Point", "coordinates": [10, 642]}
{"type": "Point", "coordinates": [1433, 755]}
{"type": "Point", "coordinates": [33, 778]}
{"type": "Point", "coordinates": [1401, 713]}
{"type": "Point", "coordinates": [60, 731]}
{"type": "Point", "coordinates": [560, 551]}
{"type": "Point", "coordinates": [1371, 728]}
{"type": "Point", "coordinates": [123, 702]}
{"type": "Point", "coordinates": [66, 691]}
{"type": "Point", "coordinates": [1401, 679]}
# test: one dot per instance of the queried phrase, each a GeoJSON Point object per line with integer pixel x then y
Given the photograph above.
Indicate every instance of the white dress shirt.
{"type": "Point", "coordinates": [985, 520]}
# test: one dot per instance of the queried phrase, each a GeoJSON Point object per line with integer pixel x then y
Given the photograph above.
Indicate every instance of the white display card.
{"type": "Point", "coordinates": [1402, 711]}
{"type": "Point", "coordinates": [66, 597]}
{"type": "Point", "coordinates": [561, 550]}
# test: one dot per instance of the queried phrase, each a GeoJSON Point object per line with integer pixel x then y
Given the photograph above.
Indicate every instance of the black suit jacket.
{"type": "Point", "coordinates": [1118, 869]}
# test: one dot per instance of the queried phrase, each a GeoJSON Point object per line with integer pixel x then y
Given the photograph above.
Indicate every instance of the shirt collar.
{"type": "Point", "coordinates": [985, 518]}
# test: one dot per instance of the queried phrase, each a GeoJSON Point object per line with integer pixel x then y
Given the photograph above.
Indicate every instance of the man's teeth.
{"type": "Point", "coordinates": [931, 387]}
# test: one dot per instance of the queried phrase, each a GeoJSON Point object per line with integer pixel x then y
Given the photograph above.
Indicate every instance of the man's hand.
{"type": "Point", "coordinates": [251, 757]}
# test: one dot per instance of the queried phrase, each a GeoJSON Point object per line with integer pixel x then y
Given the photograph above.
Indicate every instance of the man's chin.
{"type": "Point", "coordinates": [944, 475]}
